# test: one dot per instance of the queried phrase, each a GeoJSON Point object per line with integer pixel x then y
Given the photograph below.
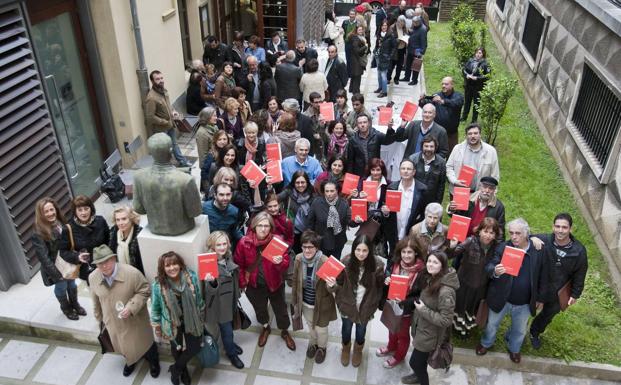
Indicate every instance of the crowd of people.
{"type": "Point", "coordinates": [247, 96]}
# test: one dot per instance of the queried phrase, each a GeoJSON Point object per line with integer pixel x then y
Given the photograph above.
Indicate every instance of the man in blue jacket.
{"type": "Point", "coordinates": [222, 215]}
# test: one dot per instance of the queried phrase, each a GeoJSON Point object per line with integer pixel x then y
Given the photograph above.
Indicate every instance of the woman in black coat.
{"type": "Point", "coordinates": [476, 71]}
{"type": "Point", "coordinates": [359, 52]}
{"type": "Point", "coordinates": [329, 216]}
{"type": "Point", "coordinates": [124, 237]}
{"type": "Point", "coordinates": [49, 222]}
{"type": "Point", "coordinates": [87, 232]}
{"type": "Point", "coordinates": [268, 84]}
{"type": "Point", "coordinates": [384, 51]}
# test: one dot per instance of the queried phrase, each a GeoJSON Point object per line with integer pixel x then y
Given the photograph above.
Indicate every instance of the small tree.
{"type": "Point", "coordinates": [493, 103]}
{"type": "Point", "coordinates": [467, 34]}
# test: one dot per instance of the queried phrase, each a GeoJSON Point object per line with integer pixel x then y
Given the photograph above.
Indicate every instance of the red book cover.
{"type": "Point", "coordinates": [409, 111]}
{"type": "Point", "coordinates": [398, 288]}
{"type": "Point", "coordinates": [512, 259]}
{"type": "Point", "coordinates": [461, 198]}
{"type": "Point", "coordinates": [273, 151]}
{"type": "Point", "coordinates": [276, 247]}
{"type": "Point", "coordinates": [350, 182]}
{"type": "Point", "coordinates": [370, 187]}
{"type": "Point", "coordinates": [207, 263]}
{"type": "Point", "coordinates": [331, 268]}
{"type": "Point", "coordinates": [359, 208]}
{"type": "Point", "coordinates": [326, 110]}
{"type": "Point", "coordinates": [385, 114]}
{"type": "Point", "coordinates": [274, 169]}
{"type": "Point", "coordinates": [458, 228]}
{"type": "Point", "coordinates": [466, 174]}
{"type": "Point", "coordinates": [253, 172]}
{"type": "Point", "coordinates": [393, 200]}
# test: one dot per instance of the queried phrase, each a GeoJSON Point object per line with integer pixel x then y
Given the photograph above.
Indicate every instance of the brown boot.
{"type": "Point", "coordinates": [345, 354]}
{"type": "Point", "coordinates": [356, 358]}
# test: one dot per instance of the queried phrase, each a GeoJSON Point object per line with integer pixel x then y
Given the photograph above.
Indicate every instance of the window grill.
{"type": "Point", "coordinates": [616, 2]}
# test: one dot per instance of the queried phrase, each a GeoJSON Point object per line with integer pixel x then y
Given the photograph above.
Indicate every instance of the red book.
{"type": "Point", "coordinates": [398, 288]}
{"type": "Point", "coordinates": [512, 259]}
{"type": "Point", "coordinates": [359, 208]}
{"type": "Point", "coordinates": [393, 200]}
{"type": "Point", "coordinates": [326, 110]}
{"type": "Point", "coordinates": [350, 182]}
{"type": "Point", "coordinates": [274, 169]}
{"type": "Point", "coordinates": [385, 114]}
{"type": "Point", "coordinates": [331, 268]}
{"type": "Point", "coordinates": [458, 228]}
{"type": "Point", "coordinates": [461, 198]}
{"type": "Point", "coordinates": [370, 187]}
{"type": "Point", "coordinates": [275, 248]}
{"type": "Point", "coordinates": [466, 174]}
{"type": "Point", "coordinates": [409, 111]}
{"type": "Point", "coordinates": [207, 264]}
{"type": "Point", "coordinates": [273, 151]}
{"type": "Point", "coordinates": [252, 171]}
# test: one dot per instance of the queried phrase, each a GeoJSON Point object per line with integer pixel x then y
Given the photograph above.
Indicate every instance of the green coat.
{"type": "Point", "coordinates": [325, 307]}
{"type": "Point", "coordinates": [160, 310]}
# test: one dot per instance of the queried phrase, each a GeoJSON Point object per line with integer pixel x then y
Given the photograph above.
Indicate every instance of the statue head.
{"type": "Point", "coordinates": [160, 146]}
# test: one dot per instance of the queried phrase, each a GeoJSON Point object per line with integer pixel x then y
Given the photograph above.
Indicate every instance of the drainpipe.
{"type": "Point", "coordinates": [141, 72]}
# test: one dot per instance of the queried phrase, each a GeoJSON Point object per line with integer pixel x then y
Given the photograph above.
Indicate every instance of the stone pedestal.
{"type": "Point", "coordinates": [187, 245]}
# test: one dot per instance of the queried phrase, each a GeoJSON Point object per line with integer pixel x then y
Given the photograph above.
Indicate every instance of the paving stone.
{"type": "Point", "coordinates": [164, 377]}
{"type": "Point", "coordinates": [275, 353]}
{"type": "Point", "coordinates": [487, 377]}
{"type": "Point", "coordinates": [18, 357]}
{"type": "Point", "coordinates": [546, 379]}
{"type": "Point", "coordinates": [377, 374]}
{"type": "Point", "coordinates": [248, 342]}
{"type": "Point", "coordinates": [219, 376]}
{"type": "Point", "coordinates": [455, 376]}
{"type": "Point", "coordinates": [377, 330]}
{"type": "Point", "coordinates": [268, 380]}
{"type": "Point", "coordinates": [65, 366]}
{"type": "Point", "coordinates": [331, 368]}
{"type": "Point", "coordinates": [110, 371]}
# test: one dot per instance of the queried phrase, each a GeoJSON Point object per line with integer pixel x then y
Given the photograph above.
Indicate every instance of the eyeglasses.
{"type": "Point", "coordinates": [263, 226]}
{"type": "Point", "coordinates": [308, 247]}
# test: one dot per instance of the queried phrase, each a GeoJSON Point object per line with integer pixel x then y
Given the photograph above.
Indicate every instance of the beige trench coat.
{"type": "Point", "coordinates": [131, 337]}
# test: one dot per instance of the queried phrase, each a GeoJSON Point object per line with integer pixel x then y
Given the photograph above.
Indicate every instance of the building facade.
{"type": "Point", "coordinates": [567, 55]}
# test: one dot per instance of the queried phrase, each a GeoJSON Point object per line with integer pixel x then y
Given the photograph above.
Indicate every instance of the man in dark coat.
{"type": "Point", "coordinates": [416, 131]}
{"type": "Point", "coordinates": [417, 45]}
{"type": "Point", "coordinates": [303, 53]}
{"type": "Point", "coordinates": [448, 103]}
{"type": "Point", "coordinates": [215, 53]}
{"type": "Point", "coordinates": [567, 264]}
{"type": "Point", "coordinates": [365, 144]}
{"type": "Point", "coordinates": [336, 73]}
{"type": "Point", "coordinates": [430, 170]}
{"type": "Point", "coordinates": [287, 77]}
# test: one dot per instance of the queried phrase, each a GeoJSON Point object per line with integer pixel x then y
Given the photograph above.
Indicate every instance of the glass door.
{"type": "Point", "coordinates": [60, 61]}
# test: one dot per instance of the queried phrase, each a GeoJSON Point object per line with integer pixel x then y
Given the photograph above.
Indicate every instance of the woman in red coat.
{"type": "Point", "coordinates": [263, 279]}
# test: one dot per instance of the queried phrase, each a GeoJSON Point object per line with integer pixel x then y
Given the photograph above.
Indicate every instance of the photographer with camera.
{"type": "Point", "coordinates": [448, 103]}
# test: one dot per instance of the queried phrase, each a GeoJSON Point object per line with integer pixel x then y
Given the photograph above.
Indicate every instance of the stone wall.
{"type": "Point", "coordinates": [573, 34]}
{"type": "Point", "coordinates": [446, 7]}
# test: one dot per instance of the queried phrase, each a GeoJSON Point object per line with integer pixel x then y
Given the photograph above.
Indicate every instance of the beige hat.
{"type": "Point", "coordinates": [102, 253]}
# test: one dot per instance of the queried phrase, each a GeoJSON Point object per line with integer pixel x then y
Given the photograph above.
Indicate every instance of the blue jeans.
{"type": "Point", "coordinates": [226, 333]}
{"type": "Point", "coordinates": [175, 147]}
{"type": "Point", "coordinates": [516, 333]}
{"type": "Point", "coordinates": [60, 287]}
{"type": "Point", "coordinates": [361, 330]}
{"type": "Point", "coordinates": [382, 79]}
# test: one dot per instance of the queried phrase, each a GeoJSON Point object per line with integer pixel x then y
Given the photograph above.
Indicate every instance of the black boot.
{"type": "Point", "coordinates": [174, 374]}
{"type": "Point", "coordinates": [186, 379]}
{"type": "Point", "coordinates": [73, 299]}
{"type": "Point", "coordinates": [67, 309]}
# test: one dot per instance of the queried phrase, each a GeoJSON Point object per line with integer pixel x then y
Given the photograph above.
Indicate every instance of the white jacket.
{"type": "Point", "coordinates": [488, 165]}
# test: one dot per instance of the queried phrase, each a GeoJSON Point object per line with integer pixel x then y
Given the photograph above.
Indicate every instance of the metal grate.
{"type": "Point", "coordinates": [597, 115]}
{"type": "Point", "coordinates": [616, 2]}
{"type": "Point", "coordinates": [500, 4]}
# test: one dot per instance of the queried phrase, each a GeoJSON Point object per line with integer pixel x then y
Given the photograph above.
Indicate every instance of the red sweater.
{"type": "Point", "coordinates": [245, 257]}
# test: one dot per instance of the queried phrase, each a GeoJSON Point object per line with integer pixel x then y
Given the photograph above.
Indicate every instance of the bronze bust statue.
{"type": "Point", "coordinates": [169, 197]}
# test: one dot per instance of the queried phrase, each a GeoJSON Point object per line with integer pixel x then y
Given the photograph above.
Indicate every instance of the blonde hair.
{"type": "Point", "coordinates": [214, 237]}
{"type": "Point", "coordinates": [262, 216]}
{"type": "Point", "coordinates": [134, 217]}
{"type": "Point", "coordinates": [230, 104]}
{"type": "Point", "coordinates": [225, 171]}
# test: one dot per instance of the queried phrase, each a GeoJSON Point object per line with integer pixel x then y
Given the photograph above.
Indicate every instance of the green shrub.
{"type": "Point", "coordinates": [493, 103]}
{"type": "Point", "coordinates": [467, 34]}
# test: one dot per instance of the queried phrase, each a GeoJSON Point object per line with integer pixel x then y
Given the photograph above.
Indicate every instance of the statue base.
{"type": "Point", "coordinates": [187, 245]}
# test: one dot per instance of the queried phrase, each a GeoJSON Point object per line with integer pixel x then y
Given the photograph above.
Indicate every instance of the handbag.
{"type": "Point", "coordinates": [442, 356]}
{"type": "Point", "coordinates": [482, 314]}
{"type": "Point", "coordinates": [104, 340]}
{"type": "Point", "coordinates": [240, 318]}
{"type": "Point", "coordinates": [183, 125]}
{"type": "Point", "coordinates": [209, 355]}
{"type": "Point", "coordinates": [369, 228]}
{"type": "Point", "coordinates": [392, 316]}
{"type": "Point", "coordinates": [564, 293]}
{"type": "Point", "coordinates": [111, 185]}
{"type": "Point", "coordinates": [296, 322]}
{"type": "Point", "coordinates": [417, 64]}
{"type": "Point", "coordinates": [66, 269]}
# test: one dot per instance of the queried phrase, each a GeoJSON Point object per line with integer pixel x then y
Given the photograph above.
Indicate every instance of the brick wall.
{"type": "Point", "coordinates": [446, 7]}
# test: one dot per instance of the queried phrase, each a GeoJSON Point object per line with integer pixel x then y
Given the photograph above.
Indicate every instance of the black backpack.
{"type": "Point", "coordinates": [112, 186]}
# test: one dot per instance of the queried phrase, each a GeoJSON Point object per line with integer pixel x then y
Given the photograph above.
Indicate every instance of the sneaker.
{"type": "Point", "coordinates": [410, 379]}
{"type": "Point", "coordinates": [391, 363]}
{"type": "Point", "coordinates": [535, 341]}
{"type": "Point", "coordinates": [311, 350]}
{"type": "Point", "coordinates": [383, 351]}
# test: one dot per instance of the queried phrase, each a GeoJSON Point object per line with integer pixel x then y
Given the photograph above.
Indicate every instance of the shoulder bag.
{"type": "Point", "coordinates": [66, 269]}
{"type": "Point", "coordinates": [240, 318]}
{"type": "Point", "coordinates": [104, 340]}
{"type": "Point", "coordinates": [209, 355]}
{"type": "Point", "coordinates": [442, 356]}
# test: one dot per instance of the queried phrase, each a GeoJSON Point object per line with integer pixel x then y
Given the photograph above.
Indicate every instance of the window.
{"type": "Point", "coordinates": [501, 5]}
{"type": "Point", "coordinates": [203, 14]}
{"type": "Point", "coordinates": [533, 31]}
{"type": "Point", "coordinates": [596, 121]}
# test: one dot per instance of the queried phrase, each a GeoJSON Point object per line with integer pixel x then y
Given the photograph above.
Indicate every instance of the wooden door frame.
{"type": "Point", "coordinates": [291, 22]}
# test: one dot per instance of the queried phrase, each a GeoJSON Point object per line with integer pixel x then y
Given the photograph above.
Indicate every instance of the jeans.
{"type": "Point", "coordinates": [418, 363]}
{"type": "Point", "coordinates": [516, 333]}
{"type": "Point", "coordinates": [61, 287]}
{"type": "Point", "coordinates": [226, 333]}
{"type": "Point", "coordinates": [175, 147]}
{"type": "Point", "coordinates": [382, 79]}
{"type": "Point", "coordinates": [361, 330]}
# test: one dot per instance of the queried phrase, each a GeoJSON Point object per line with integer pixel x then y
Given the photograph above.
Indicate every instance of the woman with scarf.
{"type": "Point", "coordinates": [219, 141]}
{"type": "Point", "coordinates": [329, 216]}
{"type": "Point", "coordinates": [245, 111]}
{"type": "Point", "coordinates": [224, 85]}
{"type": "Point", "coordinates": [124, 237]}
{"type": "Point", "coordinates": [338, 139]}
{"type": "Point", "coordinates": [335, 172]}
{"type": "Point", "coordinates": [296, 200]}
{"type": "Point", "coordinates": [251, 147]}
{"type": "Point", "coordinates": [176, 312]}
{"type": "Point", "coordinates": [222, 294]}
{"type": "Point", "coordinates": [208, 125]}
{"type": "Point", "coordinates": [283, 226]}
{"type": "Point", "coordinates": [407, 261]}
{"type": "Point", "coordinates": [384, 50]}
{"type": "Point", "coordinates": [286, 134]}
{"type": "Point", "coordinates": [263, 278]}
{"type": "Point", "coordinates": [80, 236]}
{"type": "Point", "coordinates": [310, 296]}
{"type": "Point", "coordinates": [232, 119]}
{"type": "Point", "coordinates": [274, 110]}
{"type": "Point", "coordinates": [341, 109]}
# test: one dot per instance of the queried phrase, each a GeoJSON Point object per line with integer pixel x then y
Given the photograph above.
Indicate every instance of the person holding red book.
{"type": "Point", "coordinates": [430, 233]}
{"type": "Point", "coordinates": [296, 200]}
{"type": "Point", "coordinates": [407, 261]}
{"type": "Point", "coordinates": [262, 279]}
{"type": "Point", "coordinates": [310, 296]}
{"type": "Point", "coordinates": [337, 140]}
{"type": "Point", "coordinates": [222, 294]}
{"type": "Point", "coordinates": [335, 172]}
